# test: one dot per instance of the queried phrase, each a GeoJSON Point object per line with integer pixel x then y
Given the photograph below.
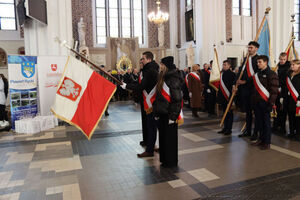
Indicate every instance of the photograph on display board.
{"type": "Point", "coordinates": [15, 96]}
{"type": "Point", "coordinates": [33, 94]}
{"type": "Point", "coordinates": [24, 95]}
{"type": "Point", "coordinates": [24, 102]}
{"type": "Point", "coordinates": [16, 103]}
{"type": "Point", "coordinates": [33, 102]}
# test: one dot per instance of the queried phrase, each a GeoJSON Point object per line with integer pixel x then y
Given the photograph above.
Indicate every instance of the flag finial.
{"type": "Point", "coordinates": [267, 10]}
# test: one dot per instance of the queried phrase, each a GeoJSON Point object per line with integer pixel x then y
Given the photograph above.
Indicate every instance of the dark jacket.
{"type": "Point", "coordinates": [282, 74]}
{"type": "Point", "coordinates": [150, 74]}
{"type": "Point", "coordinates": [269, 80]}
{"type": "Point", "coordinates": [161, 106]}
{"type": "Point", "coordinates": [296, 83]}
{"type": "Point", "coordinates": [247, 88]}
{"type": "Point", "coordinates": [228, 78]}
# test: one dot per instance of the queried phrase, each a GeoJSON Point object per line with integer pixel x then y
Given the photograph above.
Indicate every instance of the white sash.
{"type": "Point", "coordinates": [260, 88]}
{"type": "Point", "coordinates": [195, 75]}
{"type": "Point", "coordinates": [224, 89]}
{"type": "Point", "coordinates": [292, 89]}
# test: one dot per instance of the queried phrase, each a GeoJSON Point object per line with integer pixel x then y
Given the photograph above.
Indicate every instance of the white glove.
{"type": "Point", "coordinates": [281, 100]}
{"type": "Point", "coordinates": [123, 86]}
{"type": "Point", "coordinates": [156, 118]}
{"type": "Point", "coordinates": [208, 91]}
{"type": "Point", "coordinates": [171, 121]}
{"type": "Point", "coordinates": [190, 94]}
{"type": "Point", "coordinates": [298, 104]}
{"type": "Point", "coordinates": [279, 89]}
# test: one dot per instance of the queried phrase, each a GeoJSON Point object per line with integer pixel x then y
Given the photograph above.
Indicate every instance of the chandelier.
{"type": "Point", "coordinates": [158, 17]}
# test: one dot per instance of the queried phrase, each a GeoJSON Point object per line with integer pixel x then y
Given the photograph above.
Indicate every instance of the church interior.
{"type": "Point", "coordinates": [52, 147]}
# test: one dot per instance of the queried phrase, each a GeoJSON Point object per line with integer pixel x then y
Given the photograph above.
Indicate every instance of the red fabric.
{"type": "Point", "coordinates": [216, 84]}
{"type": "Point", "coordinates": [224, 93]}
{"type": "Point", "coordinates": [93, 103]}
{"type": "Point", "coordinates": [207, 71]}
{"type": "Point", "coordinates": [166, 95]}
{"type": "Point", "coordinates": [259, 90]}
{"type": "Point", "coordinates": [291, 91]}
{"type": "Point", "coordinates": [248, 69]}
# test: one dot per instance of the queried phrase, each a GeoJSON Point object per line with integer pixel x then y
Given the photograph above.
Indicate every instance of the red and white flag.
{"type": "Point", "coordinates": [214, 78]}
{"type": "Point", "coordinates": [82, 96]}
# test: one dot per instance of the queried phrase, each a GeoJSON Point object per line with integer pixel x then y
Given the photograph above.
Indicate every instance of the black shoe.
{"type": "Point", "coordinates": [221, 131]}
{"type": "Point", "coordinates": [228, 132]}
{"type": "Point", "coordinates": [106, 114]}
{"type": "Point", "coordinates": [244, 134]}
{"type": "Point", "coordinates": [253, 137]}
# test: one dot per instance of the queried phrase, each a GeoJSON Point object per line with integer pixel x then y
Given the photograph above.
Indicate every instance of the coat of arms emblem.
{"type": "Point", "coordinates": [69, 89]}
{"type": "Point", "coordinates": [28, 69]}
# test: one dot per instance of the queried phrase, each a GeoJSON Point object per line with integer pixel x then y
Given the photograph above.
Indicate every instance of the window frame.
{"type": "Point", "coordinates": [120, 26]}
{"type": "Point", "coordinates": [241, 8]}
{"type": "Point", "coordinates": [15, 17]}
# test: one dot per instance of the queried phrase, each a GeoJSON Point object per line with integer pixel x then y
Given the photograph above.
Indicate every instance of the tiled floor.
{"type": "Point", "coordinates": [62, 164]}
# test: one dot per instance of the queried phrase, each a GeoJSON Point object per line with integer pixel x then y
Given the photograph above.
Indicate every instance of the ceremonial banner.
{"type": "Point", "coordinates": [264, 40]}
{"type": "Point", "coordinates": [214, 79]}
{"type": "Point", "coordinates": [82, 96]}
{"type": "Point", "coordinates": [291, 51]}
{"type": "Point", "coordinates": [49, 73]}
{"type": "Point", "coordinates": [22, 87]}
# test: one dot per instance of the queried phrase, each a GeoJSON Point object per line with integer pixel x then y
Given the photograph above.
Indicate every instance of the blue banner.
{"type": "Point", "coordinates": [264, 40]}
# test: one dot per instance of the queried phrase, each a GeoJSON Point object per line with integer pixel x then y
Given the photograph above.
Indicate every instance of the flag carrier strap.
{"type": "Point", "coordinates": [64, 43]}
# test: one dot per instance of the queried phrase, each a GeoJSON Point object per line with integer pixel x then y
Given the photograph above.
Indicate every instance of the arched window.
{"type": "Point", "coordinates": [119, 18]}
{"type": "Point", "coordinates": [7, 15]}
{"type": "Point", "coordinates": [297, 18]}
{"type": "Point", "coordinates": [241, 7]}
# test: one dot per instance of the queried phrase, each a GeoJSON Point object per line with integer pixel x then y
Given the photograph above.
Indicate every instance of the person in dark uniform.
{"type": "Point", "coordinates": [245, 87]}
{"type": "Point", "coordinates": [209, 93]}
{"type": "Point", "coordinates": [167, 107]}
{"type": "Point", "coordinates": [225, 89]}
{"type": "Point", "coordinates": [147, 84]}
{"type": "Point", "coordinates": [265, 92]}
{"type": "Point", "coordinates": [293, 100]}
{"type": "Point", "coordinates": [281, 108]}
{"type": "Point", "coordinates": [139, 95]}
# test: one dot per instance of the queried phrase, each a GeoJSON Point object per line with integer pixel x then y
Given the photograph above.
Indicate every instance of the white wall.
{"type": "Point", "coordinates": [39, 38]}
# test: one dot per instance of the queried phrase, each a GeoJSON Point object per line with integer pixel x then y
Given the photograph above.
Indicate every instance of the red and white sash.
{"type": "Point", "coordinates": [187, 80]}
{"type": "Point", "coordinates": [292, 89]}
{"type": "Point", "coordinates": [249, 67]}
{"type": "Point", "coordinates": [260, 88]}
{"type": "Point", "coordinates": [166, 94]}
{"type": "Point", "coordinates": [207, 71]}
{"type": "Point", "coordinates": [140, 77]}
{"type": "Point", "coordinates": [294, 93]}
{"type": "Point", "coordinates": [195, 75]}
{"type": "Point", "coordinates": [148, 98]}
{"type": "Point", "coordinates": [224, 89]}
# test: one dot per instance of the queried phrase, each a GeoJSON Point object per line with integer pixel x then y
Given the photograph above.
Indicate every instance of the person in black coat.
{"type": "Point", "coordinates": [147, 84]}
{"type": "Point", "coordinates": [224, 93]}
{"type": "Point", "coordinates": [281, 108]}
{"type": "Point", "coordinates": [167, 108]}
{"type": "Point", "coordinates": [293, 100]}
{"type": "Point", "coordinates": [245, 88]}
{"type": "Point", "coordinates": [209, 93]}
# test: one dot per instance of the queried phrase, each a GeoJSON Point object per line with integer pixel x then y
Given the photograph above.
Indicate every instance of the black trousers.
{"type": "Point", "coordinates": [262, 114]}
{"type": "Point", "coordinates": [152, 130]}
{"type": "Point", "coordinates": [144, 123]}
{"type": "Point", "coordinates": [168, 142]}
{"type": "Point", "coordinates": [210, 101]}
{"type": "Point", "coordinates": [228, 119]}
{"type": "Point", "coordinates": [246, 101]}
{"type": "Point", "coordinates": [294, 123]}
{"type": "Point", "coordinates": [2, 113]}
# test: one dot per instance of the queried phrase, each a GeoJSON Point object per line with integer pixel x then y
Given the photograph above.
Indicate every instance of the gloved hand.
{"type": "Point", "coordinates": [171, 121]}
{"type": "Point", "coordinates": [298, 104]}
{"type": "Point", "coordinates": [281, 100]}
{"type": "Point", "coordinates": [156, 118]}
{"type": "Point", "coordinates": [123, 86]}
{"type": "Point", "coordinates": [190, 94]}
{"type": "Point", "coordinates": [279, 89]}
{"type": "Point", "coordinates": [208, 91]}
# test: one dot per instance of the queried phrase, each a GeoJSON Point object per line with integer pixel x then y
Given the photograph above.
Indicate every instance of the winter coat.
{"type": "Point", "coordinates": [161, 106]}
{"type": "Point", "coordinates": [196, 88]}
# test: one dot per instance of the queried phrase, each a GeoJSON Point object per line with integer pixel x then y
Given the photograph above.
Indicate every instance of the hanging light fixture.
{"type": "Point", "coordinates": [158, 17]}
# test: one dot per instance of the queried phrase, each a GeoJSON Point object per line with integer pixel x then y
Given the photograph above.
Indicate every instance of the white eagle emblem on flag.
{"type": "Point", "coordinates": [69, 89]}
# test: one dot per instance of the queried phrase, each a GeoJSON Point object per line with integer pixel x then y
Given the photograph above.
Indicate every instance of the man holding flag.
{"type": "Point", "coordinates": [245, 86]}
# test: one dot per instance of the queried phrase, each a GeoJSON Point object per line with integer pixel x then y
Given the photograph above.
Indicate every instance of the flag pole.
{"type": "Point", "coordinates": [242, 72]}
{"type": "Point", "coordinates": [64, 43]}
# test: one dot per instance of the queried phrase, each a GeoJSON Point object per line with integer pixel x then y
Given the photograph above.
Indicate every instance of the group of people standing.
{"type": "Point", "coordinates": [161, 104]}
{"type": "Point", "coordinates": [259, 90]}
